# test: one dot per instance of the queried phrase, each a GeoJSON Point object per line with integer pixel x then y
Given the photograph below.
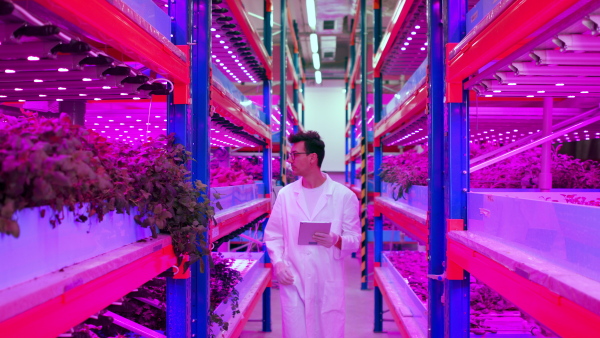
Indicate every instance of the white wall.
{"type": "Point", "coordinates": [325, 114]}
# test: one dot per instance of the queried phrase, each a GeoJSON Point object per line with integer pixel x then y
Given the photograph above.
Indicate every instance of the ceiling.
{"type": "Point", "coordinates": [341, 12]}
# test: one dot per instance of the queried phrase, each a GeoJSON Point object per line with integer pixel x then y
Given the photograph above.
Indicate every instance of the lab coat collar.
{"type": "Point", "coordinates": [321, 203]}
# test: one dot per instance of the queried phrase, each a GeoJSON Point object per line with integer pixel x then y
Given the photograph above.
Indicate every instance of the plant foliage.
{"type": "Point", "coordinates": [52, 162]}
{"type": "Point", "coordinates": [518, 171]}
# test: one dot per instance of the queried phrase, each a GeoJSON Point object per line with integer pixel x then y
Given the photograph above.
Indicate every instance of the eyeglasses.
{"type": "Point", "coordinates": [293, 155]}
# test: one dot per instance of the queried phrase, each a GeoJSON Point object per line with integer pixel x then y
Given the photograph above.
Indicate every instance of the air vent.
{"type": "Point", "coordinates": [329, 24]}
{"type": "Point", "coordinates": [328, 45]}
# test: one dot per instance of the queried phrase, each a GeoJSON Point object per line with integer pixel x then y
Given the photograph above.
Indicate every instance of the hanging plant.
{"type": "Point", "coordinates": [52, 162]}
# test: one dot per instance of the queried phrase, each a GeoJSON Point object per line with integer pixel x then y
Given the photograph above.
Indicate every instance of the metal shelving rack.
{"type": "Point", "coordinates": [392, 55]}
{"type": "Point", "coordinates": [290, 67]}
{"type": "Point", "coordinates": [510, 36]}
{"type": "Point", "coordinates": [516, 67]}
{"type": "Point", "coordinates": [115, 32]}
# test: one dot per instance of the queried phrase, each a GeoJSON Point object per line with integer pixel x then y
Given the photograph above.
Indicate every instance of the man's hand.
{"type": "Point", "coordinates": [326, 240]}
{"type": "Point", "coordinates": [283, 273]}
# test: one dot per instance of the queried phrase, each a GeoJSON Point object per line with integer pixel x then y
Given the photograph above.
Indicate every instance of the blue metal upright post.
{"type": "Point", "coordinates": [437, 240]}
{"type": "Point", "coordinates": [201, 79]}
{"type": "Point", "coordinates": [352, 145]}
{"type": "Point", "coordinates": [346, 171]}
{"type": "Point", "coordinates": [364, 144]}
{"type": "Point", "coordinates": [378, 154]}
{"type": "Point", "coordinates": [457, 178]}
{"type": "Point", "coordinates": [296, 87]}
{"type": "Point", "coordinates": [352, 105]}
{"type": "Point", "coordinates": [267, 151]}
{"type": "Point", "coordinates": [282, 89]}
{"type": "Point", "coordinates": [303, 100]}
{"type": "Point", "coordinates": [179, 291]}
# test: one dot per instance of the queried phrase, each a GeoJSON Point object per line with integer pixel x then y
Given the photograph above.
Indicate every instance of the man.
{"type": "Point", "coordinates": [311, 277]}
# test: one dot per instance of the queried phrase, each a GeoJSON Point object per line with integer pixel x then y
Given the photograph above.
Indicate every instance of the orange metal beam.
{"type": "Point", "coordinates": [392, 31]}
{"type": "Point", "coordinates": [229, 109]}
{"type": "Point", "coordinates": [239, 12]}
{"type": "Point", "coordinates": [105, 22]}
{"type": "Point", "coordinates": [411, 107]}
{"type": "Point", "coordinates": [74, 306]}
{"type": "Point", "coordinates": [413, 227]}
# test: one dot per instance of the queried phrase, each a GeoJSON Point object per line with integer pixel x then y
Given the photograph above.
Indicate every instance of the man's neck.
{"type": "Point", "coordinates": [314, 179]}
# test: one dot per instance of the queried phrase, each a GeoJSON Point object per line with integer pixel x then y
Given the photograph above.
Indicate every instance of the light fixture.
{"type": "Point", "coordinates": [63, 70]}
{"type": "Point", "coordinates": [33, 58]}
{"type": "Point", "coordinates": [314, 43]}
{"type": "Point", "coordinates": [318, 77]}
{"type": "Point", "coordinates": [105, 87]}
{"type": "Point", "coordinates": [9, 71]}
{"type": "Point", "coordinates": [311, 13]}
{"type": "Point", "coordinates": [87, 79]}
{"type": "Point", "coordinates": [38, 80]}
{"type": "Point", "coordinates": [18, 89]}
{"type": "Point", "coordinates": [316, 61]}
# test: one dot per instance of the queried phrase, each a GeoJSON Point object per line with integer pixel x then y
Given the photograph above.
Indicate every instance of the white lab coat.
{"type": "Point", "coordinates": [314, 306]}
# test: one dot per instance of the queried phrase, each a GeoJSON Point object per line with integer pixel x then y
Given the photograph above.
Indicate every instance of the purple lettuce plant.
{"type": "Point", "coordinates": [485, 302]}
{"type": "Point", "coordinates": [52, 162]}
{"type": "Point", "coordinates": [519, 171]}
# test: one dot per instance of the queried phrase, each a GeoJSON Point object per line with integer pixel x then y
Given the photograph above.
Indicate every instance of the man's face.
{"type": "Point", "coordinates": [300, 161]}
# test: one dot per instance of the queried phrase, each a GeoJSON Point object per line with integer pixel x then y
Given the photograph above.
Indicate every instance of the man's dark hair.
{"type": "Point", "coordinates": [312, 143]}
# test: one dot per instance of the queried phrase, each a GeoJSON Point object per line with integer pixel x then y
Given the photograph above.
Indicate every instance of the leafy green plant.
{"type": "Point", "coordinates": [223, 280]}
{"type": "Point", "coordinates": [54, 163]}
{"type": "Point", "coordinates": [520, 171]}
{"type": "Point", "coordinates": [405, 170]}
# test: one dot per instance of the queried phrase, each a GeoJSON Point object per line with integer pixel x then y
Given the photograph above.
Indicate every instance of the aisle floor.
{"type": "Point", "coordinates": [359, 311]}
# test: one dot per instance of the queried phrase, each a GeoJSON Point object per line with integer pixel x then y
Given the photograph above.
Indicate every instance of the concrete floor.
{"type": "Point", "coordinates": [359, 311]}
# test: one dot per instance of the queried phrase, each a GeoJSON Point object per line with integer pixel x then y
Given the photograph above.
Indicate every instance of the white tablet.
{"type": "Point", "coordinates": [308, 229]}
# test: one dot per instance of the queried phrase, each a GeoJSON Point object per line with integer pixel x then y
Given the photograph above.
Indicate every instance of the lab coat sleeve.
{"type": "Point", "coordinates": [350, 227]}
{"type": "Point", "coordinates": [274, 231]}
